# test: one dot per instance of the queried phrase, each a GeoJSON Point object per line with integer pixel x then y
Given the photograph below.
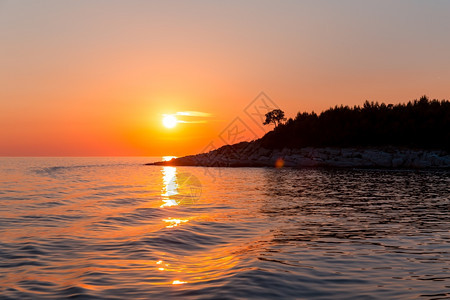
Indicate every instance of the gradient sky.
{"type": "Point", "coordinates": [84, 78]}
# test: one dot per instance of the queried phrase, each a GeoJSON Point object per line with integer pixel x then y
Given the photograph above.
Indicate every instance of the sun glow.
{"type": "Point", "coordinates": [169, 121]}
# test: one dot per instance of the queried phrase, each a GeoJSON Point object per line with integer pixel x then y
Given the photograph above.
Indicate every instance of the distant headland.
{"type": "Point", "coordinates": [411, 135]}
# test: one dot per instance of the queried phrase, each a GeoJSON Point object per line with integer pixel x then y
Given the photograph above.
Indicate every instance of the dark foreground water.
{"type": "Point", "coordinates": [111, 228]}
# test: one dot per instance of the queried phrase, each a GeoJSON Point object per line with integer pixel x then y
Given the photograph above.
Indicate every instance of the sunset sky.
{"type": "Point", "coordinates": [88, 78]}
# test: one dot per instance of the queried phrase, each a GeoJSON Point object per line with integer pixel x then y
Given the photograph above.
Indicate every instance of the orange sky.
{"type": "Point", "coordinates": [85, 79]}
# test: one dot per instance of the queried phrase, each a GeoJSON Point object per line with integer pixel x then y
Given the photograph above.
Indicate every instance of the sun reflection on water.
{"type": "Point", "coordinates": [183, 188]}
{"type": "Point", "coordinates": [174, 222]}
{"type": "Point", "coordinates": [170, 186]}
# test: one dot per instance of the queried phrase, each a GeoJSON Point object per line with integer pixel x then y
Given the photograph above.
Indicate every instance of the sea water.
{"type": "Point", "coordinates": [114, 228]}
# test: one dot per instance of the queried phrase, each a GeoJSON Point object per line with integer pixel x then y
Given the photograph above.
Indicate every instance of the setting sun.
{"type": "Point", "coordinates": [169, 121]}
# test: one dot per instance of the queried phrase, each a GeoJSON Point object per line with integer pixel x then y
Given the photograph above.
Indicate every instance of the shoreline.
{"type": "Point", "coordinates": [251, 155]}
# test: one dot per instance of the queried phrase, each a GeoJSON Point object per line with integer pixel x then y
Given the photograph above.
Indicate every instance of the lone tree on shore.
{"type": "Point", "coordinates": [275, 116]}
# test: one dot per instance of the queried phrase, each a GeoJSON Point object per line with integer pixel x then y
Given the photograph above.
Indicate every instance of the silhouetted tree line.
{"type": "Point", "coordinates": [421, 123]}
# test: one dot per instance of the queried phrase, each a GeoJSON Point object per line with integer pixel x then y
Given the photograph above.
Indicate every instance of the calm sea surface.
{"type": "Point", "coordinates": [112, 228]}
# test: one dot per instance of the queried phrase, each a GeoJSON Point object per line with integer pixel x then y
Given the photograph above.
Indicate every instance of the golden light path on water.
{"type": "Point", "coordinates": [170, 189]}
{"type": "Point", "coordinates": [197, 268]}
{"type": "Point", "coordinates": [190, 266]}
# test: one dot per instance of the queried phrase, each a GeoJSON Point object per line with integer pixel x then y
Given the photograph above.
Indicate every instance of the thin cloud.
{"type": "Point", "coordinates": [192, 117]}
{"type": "Point", "coordinates": [193, 114]}
{"type": "Point", "coordinates": [191, 122]}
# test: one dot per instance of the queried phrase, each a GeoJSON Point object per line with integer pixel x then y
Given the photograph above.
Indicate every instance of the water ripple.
{"type": "Point", "coordinates": [97, 229]}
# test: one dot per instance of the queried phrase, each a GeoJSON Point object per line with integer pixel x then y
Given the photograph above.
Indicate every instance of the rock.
{"type": "Point", "coordinates": [398, 161]}
{"type": "Point", "coordinates": [333, 151]}
{"type": "Point", "coordinates": [347, 153]}
{"type": "Point", "coordinates": [319, 155]}
{"type": "Point", "coordinates": [286, 152]}
{"type": "Point", "coordinates": [306, 162]}
{"type": "Point", "coordinates": [379, 158]}
{"type": "Point", "coordinates": [264, 152]}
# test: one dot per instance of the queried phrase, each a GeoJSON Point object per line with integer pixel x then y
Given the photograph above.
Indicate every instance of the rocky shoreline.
{"type": "Point", "coordinates": [251, 155]}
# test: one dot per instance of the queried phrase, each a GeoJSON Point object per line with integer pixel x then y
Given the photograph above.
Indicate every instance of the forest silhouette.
{"type": "Point", "coordinates": [422, 123]}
